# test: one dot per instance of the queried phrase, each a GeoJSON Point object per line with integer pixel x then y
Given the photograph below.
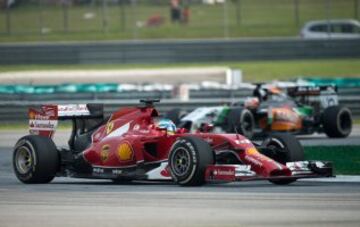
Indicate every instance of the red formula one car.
{"type": "Point", "coordinates": [134, 143]}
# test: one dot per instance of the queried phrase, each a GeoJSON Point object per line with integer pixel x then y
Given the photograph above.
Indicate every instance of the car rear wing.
{"type": "Point", "coordinates": [44, 120]}
{"type": "Point", "coordinates": [325, 96]}
{"type": "Point", "coordinates": [301, 91]}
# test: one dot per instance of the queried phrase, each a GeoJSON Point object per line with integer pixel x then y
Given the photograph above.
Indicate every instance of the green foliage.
{"type": "Point", "coordinates": [244, 18]}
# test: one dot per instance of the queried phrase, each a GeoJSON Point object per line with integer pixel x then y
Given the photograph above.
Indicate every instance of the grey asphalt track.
{"type": "Point", "coordinates": [76, 202]}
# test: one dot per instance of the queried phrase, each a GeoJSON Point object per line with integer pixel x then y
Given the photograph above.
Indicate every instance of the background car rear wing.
{"type": "Point", "coordinates": [311, 90]}
{"type": "Point", "coordinates": [325, 95]}
{"type": "Point", "coordinates": [43, 121]}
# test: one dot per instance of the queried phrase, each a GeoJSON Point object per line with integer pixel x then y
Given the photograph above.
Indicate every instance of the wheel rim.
{"type": "Point", "coordinates": [181, 161]}
{"type": "Point", "coordinates": [23, 160]}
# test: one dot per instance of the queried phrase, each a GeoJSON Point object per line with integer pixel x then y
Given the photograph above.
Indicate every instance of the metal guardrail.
{"type": "Point", "coordinates": [14, 107]}
{"type": "Point", "coordinates": [177, 51]}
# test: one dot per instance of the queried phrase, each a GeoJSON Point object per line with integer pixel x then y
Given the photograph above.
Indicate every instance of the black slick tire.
{"type": "Point", "coordinates": [284, 148]}
{"type": "Point", "coordinates": [35, 159]}
{"type": "Point", "coordinates": [337, 121]}
{"type": "Point", "coordinates": [188, 159]}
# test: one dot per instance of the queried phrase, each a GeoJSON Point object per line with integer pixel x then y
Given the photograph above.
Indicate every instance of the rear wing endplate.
{"type": "Point", "coordinates": [43, 121]}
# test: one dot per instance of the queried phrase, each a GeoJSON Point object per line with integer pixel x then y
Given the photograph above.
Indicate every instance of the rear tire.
{"type": "Point", "coordinates": [337, 121]}
{"type": "Point", "coordinates": [284, 148]}
{"type": "Point", "coordinates": [241, 121]}
{"type": "Point", "coordinates": [35, 159]}
{"type": "Point", "coordinates": [188, 160]}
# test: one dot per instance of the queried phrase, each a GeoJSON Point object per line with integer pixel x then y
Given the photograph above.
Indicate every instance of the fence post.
{"type": "Point", "coordinates": [104, 16]}
{"type": "Point", "coordinates": [296, 13]}
{"type": "Point", "coordinates": [122, 15]}
{"type": "Point", "coordinates": [226, 29]}
{"type": "Point", "coordinates": [65, 15]}
{"type": "Point", "coordinates": [238, 12]}
{"type": "Point", "coordinates": [41, 19]}
{"type": "Point", "coordinates": [8, 20]}
{"type": "Point", "coordinates": [134, 20]}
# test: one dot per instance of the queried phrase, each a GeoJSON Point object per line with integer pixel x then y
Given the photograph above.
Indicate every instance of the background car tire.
{"type": "Point", "coordinates": [188, 160]}
{"type": "Point", "coordinates": [35, 159]}
{"type": "Point", "coordinates": [284, 148]}
{"type": "Point", "coordinates": [241, 121]}
{"type": "Point", "coordinates": [337, 121]}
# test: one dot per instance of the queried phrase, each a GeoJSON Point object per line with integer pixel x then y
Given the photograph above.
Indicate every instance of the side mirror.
{"type": "Point", "coordinates": [205, 127]}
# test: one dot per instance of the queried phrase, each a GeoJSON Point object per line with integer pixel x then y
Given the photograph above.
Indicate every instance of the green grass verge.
{"type": "Point", "coordinates": [346, 159]}
{"type": "Point", "coordinates": [252, 71]}
{"type": "Point", "coordinates": [356, 121]}
{"type": "Point", "coordinates": [250, 18]}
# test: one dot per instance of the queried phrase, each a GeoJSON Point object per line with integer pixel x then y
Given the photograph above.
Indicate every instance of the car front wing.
{"type": "Point", "coordinates": [298, 169]}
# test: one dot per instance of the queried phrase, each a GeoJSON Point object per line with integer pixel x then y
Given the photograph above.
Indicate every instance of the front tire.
{"type": "Point", "coordinates": [337, 122]}
{"type": "Point", "coordinates": [283, 148]}
{"type": "Point", "coordinates": [35, 159]}
{"type": "Point", "coordinates": [188, 160]}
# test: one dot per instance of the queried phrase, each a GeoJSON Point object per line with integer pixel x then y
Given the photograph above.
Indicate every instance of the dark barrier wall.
{"type": "Point", "coordinates": [176, 51]}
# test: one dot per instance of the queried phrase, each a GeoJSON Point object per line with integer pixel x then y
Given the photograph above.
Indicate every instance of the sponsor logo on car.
{"type": "Point", "coordinates": [117, 171]}
{"type": "Point", "coordinates": [243, 141]}
{"type": "Point", "coordinates": [109, 127]}
{"type": "Point", "coordinates": [43, 124]}
{"type": "Point", "coordinates": [98, 170]}
{"type": "Point", "coordinates": [73, 110]}
{"type": "Point", "coordinates": [285, 115]}
{"type": "Point", "coordinates": [253, 161]}
{"type": "Point", "coordinates": [104, 153]}
{"type": "Point", "coordinates": [125, 152]}
{"type": "Point", "coordinates": [229, 172]}
{"type": "Point", "coordinates": [251, 151]}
